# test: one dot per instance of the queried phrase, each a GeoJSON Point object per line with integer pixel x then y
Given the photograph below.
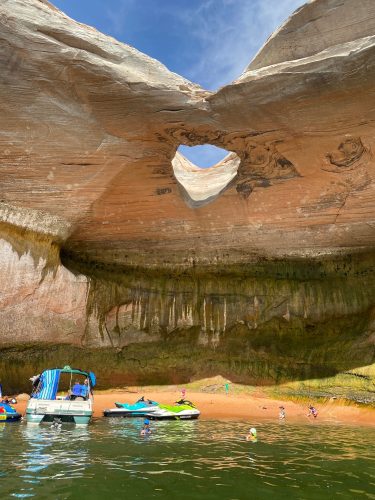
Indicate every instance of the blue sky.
{"type": "Point", "coordinates": [209, 42]}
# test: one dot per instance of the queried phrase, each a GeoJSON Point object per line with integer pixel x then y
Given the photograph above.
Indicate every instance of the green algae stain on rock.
{"type": "Point", "coordinates": [41, 247]}
{"type": "Point", "coordinates": [262, 324]}
{"type": "Point", "coordinates": [268, 322]}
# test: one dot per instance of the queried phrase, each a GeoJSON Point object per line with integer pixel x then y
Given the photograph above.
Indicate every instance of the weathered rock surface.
{"type": "Point", "coordinates": [272, 247]}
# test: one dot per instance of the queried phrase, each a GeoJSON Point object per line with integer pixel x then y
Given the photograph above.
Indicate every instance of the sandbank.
{"type": "Point", "coordinates": [248, 407]}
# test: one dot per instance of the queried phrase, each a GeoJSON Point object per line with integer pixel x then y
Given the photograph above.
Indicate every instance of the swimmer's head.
{"type": "Point", "coordinates": [253, 431]}
{"type": "Point", "coordinates": [146, 421]}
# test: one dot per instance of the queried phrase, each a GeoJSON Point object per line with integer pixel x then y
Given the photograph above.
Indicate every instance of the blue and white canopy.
{"type": "Point", "coordinates": [48, 384]}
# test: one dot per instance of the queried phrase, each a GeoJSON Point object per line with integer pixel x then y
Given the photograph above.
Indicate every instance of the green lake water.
{"type": "Point", "coordinates": [187, 460]}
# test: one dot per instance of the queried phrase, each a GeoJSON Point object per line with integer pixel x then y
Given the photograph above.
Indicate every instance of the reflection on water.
{"type": "Point", "coordinates": [199, 459]}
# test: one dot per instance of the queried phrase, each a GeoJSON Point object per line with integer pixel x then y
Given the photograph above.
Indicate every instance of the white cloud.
{"type": "Point", "coordinates": [118, 18]}
{"type": "Point", "coordinates": [230, 33]}
{"type": "Point", "coordinates": [227, 33]}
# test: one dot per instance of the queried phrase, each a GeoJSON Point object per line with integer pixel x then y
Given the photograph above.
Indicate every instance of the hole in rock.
{"type": "Point", "coordinates": [199, 184]}
{"type": "Point", "coordinates": [203, 156]}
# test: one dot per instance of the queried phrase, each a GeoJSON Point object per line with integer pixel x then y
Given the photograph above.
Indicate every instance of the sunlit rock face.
{"type": "Point", "coordinates": [272, 247]}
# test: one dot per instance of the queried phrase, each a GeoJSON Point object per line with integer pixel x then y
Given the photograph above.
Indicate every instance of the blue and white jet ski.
{"type": "Point", "coordinates": [138, 409]}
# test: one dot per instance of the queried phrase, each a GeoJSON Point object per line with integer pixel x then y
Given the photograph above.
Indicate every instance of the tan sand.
{"type": "Point", "coordinates": [238, 407]}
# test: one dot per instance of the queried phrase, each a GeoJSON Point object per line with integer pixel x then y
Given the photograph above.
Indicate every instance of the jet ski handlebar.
{"type": "Point", "coordinates": [185, 402]}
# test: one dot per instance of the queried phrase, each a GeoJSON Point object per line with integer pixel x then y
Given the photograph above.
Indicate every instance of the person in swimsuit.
{"type": "Point", "coordinates": [281, 412]}
{"type": "Point", "coordinates": [252, 436]}
{"type": "Point", "coordinates": [312, 412]}
{"type": "Point", "coordinates": [146, 428]}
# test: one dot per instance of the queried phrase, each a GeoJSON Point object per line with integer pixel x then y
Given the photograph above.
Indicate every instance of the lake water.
{"type": "Point", "coordinates": [186, 460]}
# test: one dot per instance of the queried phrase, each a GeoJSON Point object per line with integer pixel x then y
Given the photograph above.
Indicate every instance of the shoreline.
{"type": "Point", "coordinates": [250, 407]}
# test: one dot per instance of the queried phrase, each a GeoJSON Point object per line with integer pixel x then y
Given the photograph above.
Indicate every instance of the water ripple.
{"type": "Point", "coordinates": [201, 459]}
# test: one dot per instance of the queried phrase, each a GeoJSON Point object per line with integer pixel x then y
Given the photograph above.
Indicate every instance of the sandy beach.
{"type": "Point", "coordinates": [238, 407]}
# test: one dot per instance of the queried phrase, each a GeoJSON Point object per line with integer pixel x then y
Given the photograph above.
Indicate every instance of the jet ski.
{"type": "Point", "coordinates": [139, 409]}
{"type": "Point", "coordinates": [8, 413]}
{"type": "Point", "coordinates": [181, 410]}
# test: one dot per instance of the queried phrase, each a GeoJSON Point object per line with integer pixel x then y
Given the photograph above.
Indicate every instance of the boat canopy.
{"type": "Point", "coordinates": [77, 371]}
{"type": "Point", "coordinates": [48, 384]}
{"type": "Point", "coordinates": [92, 379]}
{"type": "Point", "coordinates": [49, 381]}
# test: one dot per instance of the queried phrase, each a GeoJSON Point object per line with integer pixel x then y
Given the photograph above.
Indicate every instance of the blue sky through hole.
{"type": "Point", "coordinates": [209, 42]}
{"type": "Point", "coordinates": [203, 156]}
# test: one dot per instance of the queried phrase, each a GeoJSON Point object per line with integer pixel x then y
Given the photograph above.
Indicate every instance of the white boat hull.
{"type": "Point", "coordinates": [40, 410]}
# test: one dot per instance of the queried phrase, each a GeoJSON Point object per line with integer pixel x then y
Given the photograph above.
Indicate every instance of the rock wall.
{"type": "Point", "coordinates": [40, 299]}
{"type": "Point", "coordinates": [113, 246]}
{"type": "Point", "coordinates": [264, 323]}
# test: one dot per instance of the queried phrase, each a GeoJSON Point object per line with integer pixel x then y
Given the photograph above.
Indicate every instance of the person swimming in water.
{"type": "Point", "coordinates": [146, 428]}
{"type": "Point", "coordinates": [252, 436]}
{"type": "Point", "coordinates": [312, 412]}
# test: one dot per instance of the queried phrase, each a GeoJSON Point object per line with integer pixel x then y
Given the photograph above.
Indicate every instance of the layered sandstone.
{"type": "Point", "coordinates": [276, 242]}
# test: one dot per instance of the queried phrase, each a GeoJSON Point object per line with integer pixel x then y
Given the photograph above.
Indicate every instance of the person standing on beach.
{"type": "Point", "coordinates": [226, 387]}
{"type": "Point", "coordinates": [183, 393]}
{"type": "Point", "coordinates": [313, 412]}
{"type": "Point", "coordinates": [282, 414]}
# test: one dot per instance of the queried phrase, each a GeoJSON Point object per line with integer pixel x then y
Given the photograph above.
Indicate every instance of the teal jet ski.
{"type": "Point", "coordinates": [138, 409]}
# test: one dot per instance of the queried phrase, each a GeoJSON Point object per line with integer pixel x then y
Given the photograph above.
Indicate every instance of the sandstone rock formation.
{"type": "Point", "coordinates": [272, 247]}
